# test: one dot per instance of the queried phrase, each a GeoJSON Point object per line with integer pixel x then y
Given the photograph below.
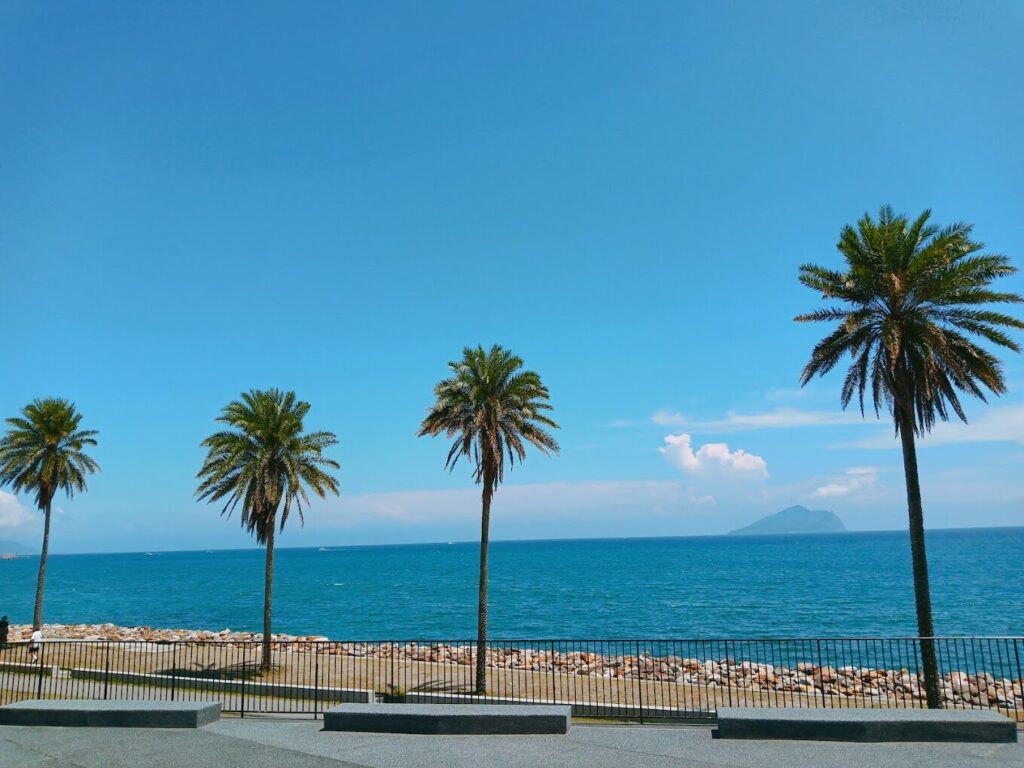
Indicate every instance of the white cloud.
{"type": "Point", "coordinates": [619, 423]}
{"type": "Point", "coordinates": [539, 501]}
{"type": "Point", "coordinates": [678, 449]}
{"type": "Point", "coordinates": [13, 516]}
{"type": "Point", "coordinates": [777, 418]}
{"type": "Point", "coordinates": [706, 500]}
{"type": "Point", "coordinates": [993, 424]}
{"type": "Point", "coordinates": [975, 489]}
{"type": "Point", "coordinates": [782, 393]}
{"type": "Point", "coordinates": [855, 480]}
{"type": "Point", "coordinates": [667, 418]}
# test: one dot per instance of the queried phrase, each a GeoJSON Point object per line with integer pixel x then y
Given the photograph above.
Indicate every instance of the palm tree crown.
{"type": "Point", "coordinates": [44, 451]}
{"type": "Point", "coordinates": [490, 407]}
{"type": "Point", "coordinates": [908, 301]}
{"type": "Point", "coordinates": [264, 459]}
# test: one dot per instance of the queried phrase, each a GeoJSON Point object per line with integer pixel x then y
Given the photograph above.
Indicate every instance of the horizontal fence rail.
{"type": "Point", "coordinates": [630, 679]}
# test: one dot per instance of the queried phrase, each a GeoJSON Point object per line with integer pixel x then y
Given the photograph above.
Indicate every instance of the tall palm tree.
{"type": "Point", "coordinates": [265, 462]}
{"type": "Point", "coordinates": [490, 406]}
{"type": "Point", "coordinates": [43, 452]}
{"type": "Point", "coordinates": [909, 300]}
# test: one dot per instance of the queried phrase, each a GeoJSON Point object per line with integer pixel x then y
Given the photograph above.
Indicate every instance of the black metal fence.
{"type": "Point", "coordinates": [632, 679]}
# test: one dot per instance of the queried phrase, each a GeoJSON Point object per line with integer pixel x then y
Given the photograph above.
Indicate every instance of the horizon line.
{"type": "Point", "coordinates": [729, 535]}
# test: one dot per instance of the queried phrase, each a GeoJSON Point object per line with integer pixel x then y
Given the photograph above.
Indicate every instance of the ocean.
{"type": "Point", "coordinates": [855, 584]}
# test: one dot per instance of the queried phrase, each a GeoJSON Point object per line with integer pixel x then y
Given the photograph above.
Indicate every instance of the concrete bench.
{"type": "Point", "coordinates": [866, 725]}
{"type": "Point", "coordinates": [448, 718]}
{"type": "Point", "coordinates": [92, 713]}
{"type": "Point", "coordinates": [578, 708]}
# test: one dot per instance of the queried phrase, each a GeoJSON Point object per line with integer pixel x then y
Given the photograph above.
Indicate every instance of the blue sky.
{"type": "Point", "coordinates": [337, 197]}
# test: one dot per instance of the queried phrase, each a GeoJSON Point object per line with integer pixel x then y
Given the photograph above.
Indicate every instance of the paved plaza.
{"type": "Point", "coordinates": [278, 743]}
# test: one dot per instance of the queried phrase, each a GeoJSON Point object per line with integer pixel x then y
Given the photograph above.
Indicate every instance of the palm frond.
{"type": "Point", "coordinates": [265, 462]}
{"type": "Point", "coordinates": [489, 406]}
{"type": "Point", "coordinates": [905, 306]}
{"type": "Point", "coordinates": [43, 451]}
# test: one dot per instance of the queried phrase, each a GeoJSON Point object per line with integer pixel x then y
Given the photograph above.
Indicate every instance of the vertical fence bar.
{"type": "Point", "coordinates": [554, 681]}
{"type": "Point", "coordinates": [316, 680]}
{"type": "Point", "coordinates": [174, 672]}
{"type": "Point", "coordinates": [639, 684]}
{"type": "Point", "coordinates": [39, 686]}
{"type": "Point", "coordinates": [726, 677]}
{"type": "Point", "coordinates": [972, 675]}
{"type": "Point", "coordinates": [106, 670]}
{"type": "Point", "coordinates": [997, 673]}
{"type": "Point", "coordinates": [1018, 683]}
{"type": "Point", "coordinates": [960, 664]}
{"type": "Point", "coordinates": [245, 654]}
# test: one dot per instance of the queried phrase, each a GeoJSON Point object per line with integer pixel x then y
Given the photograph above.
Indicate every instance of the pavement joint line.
{"type": "Point", "coordinates": [656, 754]}
{"type": "Point", "coordinates": [364, 746]}
{"type": "Point", "coordinates": [45, 755]}
{"type": "Point", "coordinates": [339, 761]}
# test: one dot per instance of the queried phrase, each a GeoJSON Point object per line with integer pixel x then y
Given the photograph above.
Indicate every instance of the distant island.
{"type": "Point", "coordinates": [796, 519]}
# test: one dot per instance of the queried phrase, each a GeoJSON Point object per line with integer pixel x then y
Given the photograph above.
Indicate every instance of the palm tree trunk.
{"type": "Point", "coordinates": [481, 627]}
{"type": "Point", "coordinates": [922, 593]}
{"type": "Point", "coordinates": [37, 616]}
{"type": "Point", "coordinates": [268, 588]}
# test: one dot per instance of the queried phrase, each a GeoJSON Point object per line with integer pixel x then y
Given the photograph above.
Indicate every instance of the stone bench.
{"type": "Point", "coordinates": [578, 708]}
{"type": "Point", "coordinates": [866, 725]}
{"type": "Point", "coordinates": [473, 719]}
{"type": "Point", "coordinates": [93, 713]}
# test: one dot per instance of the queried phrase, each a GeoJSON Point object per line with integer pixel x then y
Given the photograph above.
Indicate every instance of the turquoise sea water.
{"type": "Point", "coordinates": [703, 587]}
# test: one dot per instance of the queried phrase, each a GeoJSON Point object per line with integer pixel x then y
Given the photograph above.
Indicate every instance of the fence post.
{"type": "Point", "coordinates": [39, 686]}
{"type": "Point", "coordinates": [316, 680]}
{"type": "Point", "coordinates": [245, 653]}
{"type": "Point", "coordinates": [391, 671]}
{"type": "Point", "coordinates": [726, 680]}
{"type": "Point", "coordinates": [106, 669]}
{"type": "Point", "coordinates": [1020, 675]}
{"type": "Point", "coordinates": [554, 677]}
{"type": "Point", "coordinates": [174, 671]}
{"type": "Point", "coordinates": [639, 683]}
{"type": "Point", "coordinates": [820, 664]}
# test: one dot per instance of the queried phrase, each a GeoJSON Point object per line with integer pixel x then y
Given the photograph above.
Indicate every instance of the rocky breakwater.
{"type": "Point", "coordinates": [98, 632]}
{"type": "Point", "coordinates": [893, 686]}
{"type": "Point", "coordinates": [847, 682]}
